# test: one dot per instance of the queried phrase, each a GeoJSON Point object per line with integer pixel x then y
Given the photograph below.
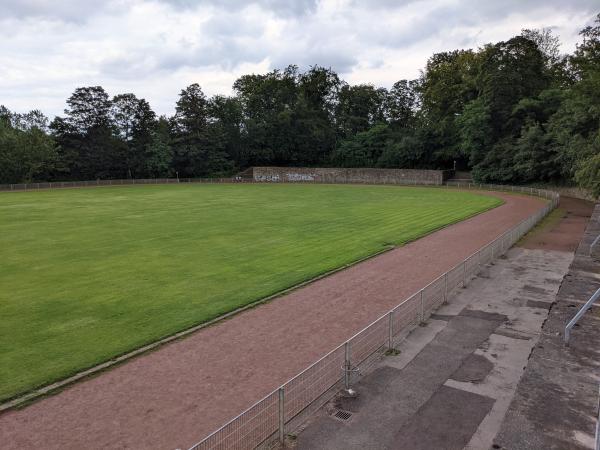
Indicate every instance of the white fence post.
{"type": "Point", "coordinates": [391, 330]}
{"type": "Point", "coordinates": [281, 415]}
{"type": "Point", "coordinates": [347, 365]}
{"type": "Point", "coordinates": [446, 287]}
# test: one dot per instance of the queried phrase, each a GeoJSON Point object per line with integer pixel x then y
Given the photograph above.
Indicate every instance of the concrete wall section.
{"type": "Point", "coordinates": [340, 175]}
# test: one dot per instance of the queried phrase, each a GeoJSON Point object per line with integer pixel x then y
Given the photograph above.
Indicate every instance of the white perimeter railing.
{"type": "Point", "coordinates": [267, 418]}
{"type": "Point", "coordinates": [96, 183]}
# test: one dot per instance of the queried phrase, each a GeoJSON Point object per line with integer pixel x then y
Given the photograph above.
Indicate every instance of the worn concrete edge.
{"type": "Point", "coordinates": [24, 399]}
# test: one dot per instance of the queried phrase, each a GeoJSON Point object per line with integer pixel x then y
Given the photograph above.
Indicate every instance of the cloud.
{"type": "Point", "coordinates": [283, 8]}
{"type": "Point", "coordinates": [155, 48]}
{"type": "Point", "coordinates": [67, 10]}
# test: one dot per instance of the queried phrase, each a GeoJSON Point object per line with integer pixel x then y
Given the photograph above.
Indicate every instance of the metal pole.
{"type": "Point", "coordinates": [281, 415]}
{"type": "Point", "coordinates": [598, 424]}
{"type": "Point", "coordinates": [580, 313]}
{"type": "Point", "coordinates": [465, 273]}
{"type": "Point", "coordinates": [446, 287]}
{"type": "Point", "coordinates": [422, 308]}
{"type": "Point", "coordinates": [391, 330]}
{"type": "Point", "coordinates": [347, 365]}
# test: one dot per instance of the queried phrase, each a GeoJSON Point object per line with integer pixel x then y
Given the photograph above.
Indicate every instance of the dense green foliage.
{"type": "Point", "coordinates": [98, 272]}
{"type": "Point", "coordinates": [516, 111]}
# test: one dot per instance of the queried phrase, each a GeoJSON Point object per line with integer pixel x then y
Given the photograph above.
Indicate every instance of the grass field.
{"type": "Point", "coordinates": [88, 274]}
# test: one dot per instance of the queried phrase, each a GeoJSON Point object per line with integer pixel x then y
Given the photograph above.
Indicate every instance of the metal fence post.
{"type": "Point", "coordinates": [598, 423]}
{"type": "Point", "coordinates": [464, 273]}
{"type": "Point", "coordinates": [347, 365]}
{"type": "Point", "coordinates": [281, 415]}
{"type": "Point", "coordinates": [422, 308]}
{"type": "Point", "coordinates": [391, 330]}
{"type": "Point", "coordinates": [446, 287]}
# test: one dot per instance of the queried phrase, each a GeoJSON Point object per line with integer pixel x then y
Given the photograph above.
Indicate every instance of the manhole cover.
{"type": "Point", "coordinates": [342, 415]}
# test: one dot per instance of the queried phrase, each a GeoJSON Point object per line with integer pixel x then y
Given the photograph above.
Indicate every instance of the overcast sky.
{"type": "Point", "coordinates": [154, 48]}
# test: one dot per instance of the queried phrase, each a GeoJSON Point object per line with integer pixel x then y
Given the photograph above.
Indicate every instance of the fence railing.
{"type": "Point", "coordinates": [588, 305]}
{"type": "Point", "coordinates": [267, 419]}
{"type": "Point", "coordinates": [130, 181]}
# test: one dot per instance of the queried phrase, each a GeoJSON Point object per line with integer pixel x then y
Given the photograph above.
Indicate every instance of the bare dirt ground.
{"type": "Point", "coordinates": [176, 395]}
{"type": "Point", "coordinates": [563, 229]}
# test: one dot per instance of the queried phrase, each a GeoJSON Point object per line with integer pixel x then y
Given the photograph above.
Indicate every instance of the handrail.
{"type": "Point", "coordinates": [594, 244]}
{"type": "Point", "coordinates": [580, 314]}
{"type": "Point", "coordinates": [598, 422]}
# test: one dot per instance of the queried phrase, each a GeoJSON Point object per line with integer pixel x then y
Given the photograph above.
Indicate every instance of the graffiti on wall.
{"type": "Point", "coordinates": [269, 178]}
{"type": "Point", "coordinates": [300, 176]}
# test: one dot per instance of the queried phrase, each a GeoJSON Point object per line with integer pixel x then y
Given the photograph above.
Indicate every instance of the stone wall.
{"type": "Point", "coordinates": [358, 176]}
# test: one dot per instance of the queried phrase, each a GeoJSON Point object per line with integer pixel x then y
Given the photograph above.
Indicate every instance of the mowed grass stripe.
{"type": "Point", "coordinates": [93, 273]}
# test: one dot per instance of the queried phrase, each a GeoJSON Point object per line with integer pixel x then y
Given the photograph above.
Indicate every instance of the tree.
{"type": "Point", "coordinates": [446, 86]}
{"type": "Point", "coordinates": [318, 92]}
{"type": "Point", "coordinates": [27, 152]}
{"type": "Point", "coordinates": [87, 138]}
{"type": "Point", "coordinates": [401, 103]}
{"type": "Point", "coordinates": [226, 118]}
{"type": "Point", "coordinates": [588, 172]}
{"type": "Point", "coordinates": [134, 123]}
{"type": "Point", "coordinates": [158, 154]}
{"type": "Point", "coordinates": [365, 148]}
{"type": "Point", "coordinates": [475, 131]}
{"type": "Point", "coordinates": [359, 108]}
{"type": "Point", "coordinates": [511, 71]}
{"type": "Point", "coordinates": [198, 147]}
{"type": "Point", "coordinates": [268, 104]}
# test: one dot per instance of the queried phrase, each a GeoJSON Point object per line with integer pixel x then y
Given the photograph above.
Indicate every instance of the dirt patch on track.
{"type": "Point", "coordinates": [174, 396]}
{"type": "Point", "coordinates": [562, 229]}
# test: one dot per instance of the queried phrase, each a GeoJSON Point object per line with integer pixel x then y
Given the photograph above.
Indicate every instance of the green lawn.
{"type": "Point", "coordinates": [87, 274]}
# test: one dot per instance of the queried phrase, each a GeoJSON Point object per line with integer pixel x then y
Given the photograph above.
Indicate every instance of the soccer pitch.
{"type": "Point", "coordinates": [88, 274]}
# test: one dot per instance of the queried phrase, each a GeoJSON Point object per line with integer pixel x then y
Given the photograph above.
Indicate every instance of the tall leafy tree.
{"type": "Point", "coordinates": [27, 152]}
{"type": "Point", "coordinates": [268, 103]}
{"type": "Point", "coordinates": [134, 122]}
{"type": "Point", "coordinates": [197, 148]}
{"type": "Point", "coordinates": [158, 154]}
{"type": "Point", "coordinates": [402, 102]}
{"type": "Point", "coordinates": [447, 85]}
{"type": "Point", "coordinates": [86, 137]}
{"type": "Point", "coordinates": [359, 108]}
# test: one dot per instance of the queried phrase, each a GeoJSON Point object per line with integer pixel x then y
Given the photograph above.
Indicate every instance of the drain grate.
{"type": "Point", "coordinates": [342, 415]}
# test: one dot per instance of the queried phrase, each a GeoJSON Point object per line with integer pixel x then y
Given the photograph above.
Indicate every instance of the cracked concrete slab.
{"type": "Point", "coordinates": [474, 369]}
{"type": "Point", "coordinates": [447, 421]}
{"type": "Point", "coordinates": [555, 405]}
{"type": "Point", "coordinates": [475, 347]}
{"type": "Point", "coordinates": [390, 397]}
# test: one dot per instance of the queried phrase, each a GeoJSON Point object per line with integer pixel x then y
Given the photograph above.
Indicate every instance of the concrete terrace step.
{"type": "Point", "coordinates": [454, 378]}
{"type": "Point", "coordinates": [555, 405]}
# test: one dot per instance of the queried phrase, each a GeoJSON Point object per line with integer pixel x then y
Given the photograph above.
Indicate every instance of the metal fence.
{"type": "Point", "coordinates": [267, 419]}
{"type": "Point", "coordinates": [96, 183]}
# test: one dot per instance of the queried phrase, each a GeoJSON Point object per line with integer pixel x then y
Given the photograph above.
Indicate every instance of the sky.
{"type": "Point", "coordinates": [155, 48]}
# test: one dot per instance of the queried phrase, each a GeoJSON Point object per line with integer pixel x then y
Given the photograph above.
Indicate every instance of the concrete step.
{"type": "Point", "coordinates": [452, 382]}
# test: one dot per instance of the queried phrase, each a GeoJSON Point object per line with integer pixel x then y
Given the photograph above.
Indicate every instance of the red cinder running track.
{"type": "Point", "coordinates": [173, 397]}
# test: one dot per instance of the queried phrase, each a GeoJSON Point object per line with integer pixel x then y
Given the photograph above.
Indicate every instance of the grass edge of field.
{"type": "Point", "coordinates": [53, 386]}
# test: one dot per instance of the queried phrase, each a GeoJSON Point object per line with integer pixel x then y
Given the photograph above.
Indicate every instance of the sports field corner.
{"type": "Point", "coordinates": [191, 382]}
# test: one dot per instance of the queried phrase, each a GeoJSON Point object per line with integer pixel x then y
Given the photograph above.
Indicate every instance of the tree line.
{"type": "Point", "coordinates": [516, 111]}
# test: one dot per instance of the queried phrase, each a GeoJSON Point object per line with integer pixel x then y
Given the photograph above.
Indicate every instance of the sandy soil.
{"type": "Point", "coordinates": [174, 396]}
